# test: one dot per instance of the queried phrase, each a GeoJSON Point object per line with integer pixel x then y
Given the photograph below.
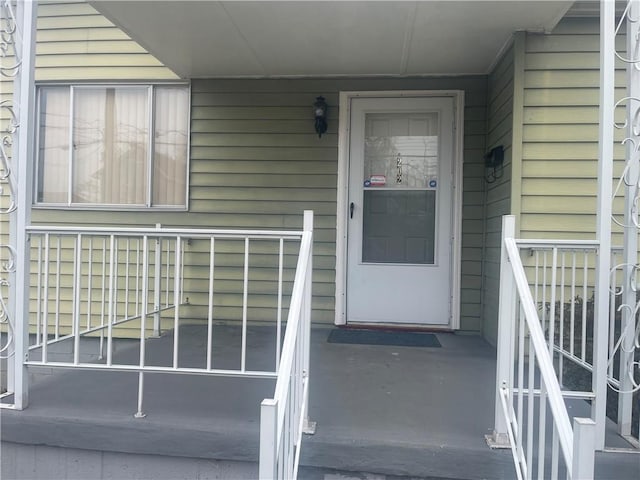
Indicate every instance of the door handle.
{"type": "Point", "coordinates": [351, 207]}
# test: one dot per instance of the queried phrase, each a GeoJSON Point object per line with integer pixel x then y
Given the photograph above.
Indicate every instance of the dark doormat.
{"type": "Point", "coordinates": [381, 337]}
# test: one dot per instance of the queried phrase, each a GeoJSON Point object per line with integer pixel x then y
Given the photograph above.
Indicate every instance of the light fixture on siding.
{"type": "Point", "coordinates": [494, 164]}
{"type": "Point", "coordinates": [320, 114]}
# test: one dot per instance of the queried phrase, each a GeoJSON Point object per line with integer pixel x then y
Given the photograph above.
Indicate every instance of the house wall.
{"type": "Point", "coordinates": [502, 120]}
{"type": "Point", "coordinates": [558, 185]}
{"type": "Point", "coordinates": [256, 162]}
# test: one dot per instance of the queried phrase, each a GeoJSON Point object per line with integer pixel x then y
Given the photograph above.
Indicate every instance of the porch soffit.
{"type": "Point", "coordinates": [198, 39]}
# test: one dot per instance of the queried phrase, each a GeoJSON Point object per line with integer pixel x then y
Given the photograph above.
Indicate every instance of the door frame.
{"type": "Point", "coordinates": [344, 133]}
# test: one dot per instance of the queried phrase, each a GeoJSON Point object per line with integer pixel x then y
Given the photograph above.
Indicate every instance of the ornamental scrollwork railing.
{"type": "Point", "coordinates": [628, 340]}
{"type": "Point", "coordinates": [9, 58]}
{"type": "Point", "coordinates": [7, 179]}
{"type": "Point", "coordinates": [10, 65]}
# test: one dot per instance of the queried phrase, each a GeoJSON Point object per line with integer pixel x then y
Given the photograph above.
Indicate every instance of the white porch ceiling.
{"type": "Point", "coordinates": [310, 38]}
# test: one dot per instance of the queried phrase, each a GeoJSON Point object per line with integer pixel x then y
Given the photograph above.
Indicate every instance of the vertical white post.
{"type": "Point", "coordinates": [77, 291]}
{"type": "Point", "coordinates": [137, 288]}
{"type": "Point", "coordinates": [583, 449]}
{"type": "Point", "coordinates": [45, 308]}
{"type": "Point", "coordinates": [116, 277]}
{"type": "Point", "coordinates": [268, 467]}
{"type": "Point", "coordinates": [519, 430]}
{"type": "Point", "coordinates": [603, 218]}
{"type": "Point", "coordinates": [308, 426]}
{"type": "Point", "coordinates": [140, 412]}
{"type": "Point", "coordinates": [506, 322]}
{"type": "Point", "coordinates": [127, 255]}
{"type": "Point", "coordinates": [20, 218]}
{"type": "Point", "coordinates": [157, 281]}
{"type": "Point", "coordinates": [279, 313]}
{"type": "Point", "coordinates": [168, 273]}
{"type": "Point", "coordinates": [143, 323]}
{"type": "Point", "coordinates": [90, 283]}
{"type": "Point", "coordinates": [552, 301]}
{"type": "Point", "coordinates": [103, 296]}
{"type": "Point", "coordinates": [561, 333]}
{"type": "Point", "coordinates": [176, 301]}
{"type": "Point", "coordinates": [58, 275]}
{"type": "Point", "coordinates": [212, 266]}
{"type": "Point", "coordinates": [111, 317]}
{"type": "Point", "coordinates": [39, 291]}
{"type": "Point", "coordinates": [245, 300]}
{"type": "Point", "coordinates": [630, 251]}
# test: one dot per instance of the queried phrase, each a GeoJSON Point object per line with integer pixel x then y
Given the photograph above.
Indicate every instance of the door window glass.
{"type": "Point", "coordinates": [401, 150]}
{"type": "Point", "coordinates": [400, 188]}
{"type": "Point", "coordinates": [399, 226]}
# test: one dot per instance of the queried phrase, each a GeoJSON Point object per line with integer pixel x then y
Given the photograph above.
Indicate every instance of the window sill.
{"type": "Point", "coordinates": [109, 208]}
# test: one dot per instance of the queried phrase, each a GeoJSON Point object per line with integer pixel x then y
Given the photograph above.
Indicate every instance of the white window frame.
{"type": "Point", "coordinates": [148, 205]}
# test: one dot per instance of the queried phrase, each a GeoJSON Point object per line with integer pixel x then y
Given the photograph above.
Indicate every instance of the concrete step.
{"type": "Point", "coordinates": [41, 462]}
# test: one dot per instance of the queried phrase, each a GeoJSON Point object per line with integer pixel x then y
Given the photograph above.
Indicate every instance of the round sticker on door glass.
{"type": "Point", "coordinates": [433, 183]}
{"type": "Point", "coordinates": [367, 183]}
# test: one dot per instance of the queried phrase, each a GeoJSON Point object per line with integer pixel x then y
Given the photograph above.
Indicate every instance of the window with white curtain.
{"type": "Point", "coordinates": [113, 145]}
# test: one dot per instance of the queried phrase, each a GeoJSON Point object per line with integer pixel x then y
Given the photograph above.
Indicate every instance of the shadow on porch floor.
{"type": "Point", "coordinates": [420, 412]}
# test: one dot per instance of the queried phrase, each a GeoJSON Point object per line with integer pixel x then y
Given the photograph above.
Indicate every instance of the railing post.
{"type": "Point", "coordinates": [630, 251]}
{"type": "Point", "coordinates": [603, 218]}
{"type": "Point", "coordinates": [506, 321]}
{"type": "Point", "coordinates": [144, 308]}
{"type": "Point", "coordinates": [176, 300]}
{"type": "Point", "coordinates": [157, 285]}
{"type": "Point", "coordinates": [267, 467]}
{"type": "Point", "coordinates": [309, 427]}
{"type": "Point", "coordinates": [20, 218]}
{"type": "Point", "coordinates": [584, 430]}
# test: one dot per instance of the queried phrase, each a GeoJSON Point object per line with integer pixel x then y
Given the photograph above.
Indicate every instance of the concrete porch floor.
{"type": "Point", "coordinates": [406, 411]}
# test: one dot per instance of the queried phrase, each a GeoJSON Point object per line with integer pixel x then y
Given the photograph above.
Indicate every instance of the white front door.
{"type": "Point", "coordinates": [401, 210]}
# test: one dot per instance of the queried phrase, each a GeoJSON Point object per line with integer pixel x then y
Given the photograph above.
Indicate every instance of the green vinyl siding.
{"type": "Point", "coordinates": [497, 194]}
{"type": "Point", "coordinates": [75, 43]}
{"type": "Point", "coordinates": [560, 131]}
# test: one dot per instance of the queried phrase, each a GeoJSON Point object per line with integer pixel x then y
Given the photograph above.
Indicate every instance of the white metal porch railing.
{"type": "Point", "coordinates": [92, 281]}
{"type": "Point", "coordinates": [284, 417]}
{"type": "Point", "coordinates": [90, 286]}
{"type": "Point", "coordinates": [528, 382]}
{"type": "Point", "coordinates": [561, 275]}
{"type": "Point", "coordinates": [561, 278]}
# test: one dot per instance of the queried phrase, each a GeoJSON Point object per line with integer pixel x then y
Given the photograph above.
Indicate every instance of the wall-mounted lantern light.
{"type": "Point", "coordinates": [320, 114]}
{"type": "Point", "coordinates": [494, 164]}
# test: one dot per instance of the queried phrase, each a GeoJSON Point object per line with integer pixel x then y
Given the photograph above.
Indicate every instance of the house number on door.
{"type": "Point", "coordinates": [398, 168]}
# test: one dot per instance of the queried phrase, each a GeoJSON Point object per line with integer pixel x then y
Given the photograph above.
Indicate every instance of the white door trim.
{"type": "Point", "coordinates": [344, 129]}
